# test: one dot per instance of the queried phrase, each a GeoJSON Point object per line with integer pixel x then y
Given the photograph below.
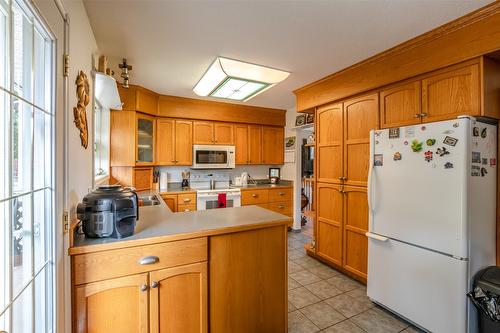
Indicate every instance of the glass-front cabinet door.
{"type": "Point", "coordinates": [145, 139]}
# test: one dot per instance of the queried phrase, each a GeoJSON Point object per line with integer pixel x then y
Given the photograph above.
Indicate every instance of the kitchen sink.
{"type": "Point", "coordinates": [148, 200]}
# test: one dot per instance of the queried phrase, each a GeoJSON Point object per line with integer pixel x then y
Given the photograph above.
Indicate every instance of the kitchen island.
{"type": "Point", "coordinates": [220, 270]}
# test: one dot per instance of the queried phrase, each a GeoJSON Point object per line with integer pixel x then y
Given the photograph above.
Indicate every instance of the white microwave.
{"type": "Point", "coordinates": [213, 157]}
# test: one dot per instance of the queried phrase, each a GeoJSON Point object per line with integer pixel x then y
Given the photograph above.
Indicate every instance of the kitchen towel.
{"type": "Point", "coordinates": [221, 200]}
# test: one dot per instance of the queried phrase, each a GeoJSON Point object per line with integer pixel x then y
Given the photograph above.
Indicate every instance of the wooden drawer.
{"type": "Point", "coordinates": [253, 197]}
{"type": "Point", "coordinates": [186, 208]}
{"type": "Point", "coordinates": [186, 199]}
{"type": "Point", "coordinates": [280, 194]}
{"type": "Point", "coordinates": [121, 262]}
{"type": "Point", "coordinates": [284, 208]}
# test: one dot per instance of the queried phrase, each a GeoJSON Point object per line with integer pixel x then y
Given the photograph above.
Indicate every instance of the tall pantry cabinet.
{"type": "Point", "coordinates": [343, 136]}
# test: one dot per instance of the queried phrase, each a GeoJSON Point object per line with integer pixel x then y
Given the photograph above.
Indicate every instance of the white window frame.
{"type": "Point", "coordinates": [101, 143]}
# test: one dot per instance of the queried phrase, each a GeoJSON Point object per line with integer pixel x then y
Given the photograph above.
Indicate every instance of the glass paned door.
{"type": "Point", "coordinates": [145, 140]}
{"type": "Point", "coordinates": [26, 170]}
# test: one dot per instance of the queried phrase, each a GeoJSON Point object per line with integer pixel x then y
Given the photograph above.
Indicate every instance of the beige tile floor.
{"type": "Point", "coordinates": [321, 299]}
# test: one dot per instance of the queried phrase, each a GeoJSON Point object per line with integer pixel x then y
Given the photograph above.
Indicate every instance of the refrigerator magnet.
{"type": "Point", "coordinates": [397, 156]}
{"type": "Point", "coordinates": [493, 161]}
{"type": "Point", "coordinates": [428, 156]}
{"type": "Point", "coordinates": [475, 131]}
{"type": "Point", "coordinates": [448, 132]}
{"type": "Point", "coordinates": [378, 160]}
{"type": "Point", "coordinates": [475, 171]}
{"type": "Point", "coordinates": [409, 132]}
{"type": "Point", "coordinates": [442, 151]}
{"type": "Point", "coordinates": [430, 142]}
{"type": "Point", "coordinates": [484, 172]}
{"type": "Point", "coordinates": [448, 165]}
{"type": "Point", "coordinates": [476, 157]}
{"type": "Point", "coordinates": [394, 133]}
{"type": "Point", "coordinates": [484, 161]}
{"type": "Point", "coordinates": [405, 142]}
{"type": "Point", "coordinates": [416, 146]}
{"type": "Point", "coordinates": [455, 125]}
{"type": "Point", "coordinates": [450, 141]}
{"type": "Point", "coordinates": [483, 133]}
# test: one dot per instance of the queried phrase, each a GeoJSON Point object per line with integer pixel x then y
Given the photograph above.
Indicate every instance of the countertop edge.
{"type": "Point", "coordinates": [174, 237]}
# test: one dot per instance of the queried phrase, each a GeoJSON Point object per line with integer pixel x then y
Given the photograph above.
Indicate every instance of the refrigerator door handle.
{"type": "Point", "coordinates": [370, 180]}
{"type": "Point", "coordinates": [376, 237]}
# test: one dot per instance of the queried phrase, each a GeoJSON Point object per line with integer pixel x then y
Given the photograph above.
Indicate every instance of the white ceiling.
{"type": "Point", "coordinates": [170, 44]}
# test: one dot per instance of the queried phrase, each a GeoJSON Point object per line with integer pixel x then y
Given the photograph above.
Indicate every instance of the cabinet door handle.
{"type": "Point", "coordinates": [144, 287]}
{"type": "Point", "coordinates": [154, 284]}
{"type": "Point", "coordinates": [254, 195]}
{"type": "Point", "coordinates": [281, 193]}
{"type": "Point", "coordinates": [187, 210]}
{"type": "Point", "coordinates": [149, 260]}
{"type": "Point", "coordinates": [187, 200]}
{"type": "Point", "coordinates": [417, 115]}
{"type": "Point", "coordinates": [423, 115]}
{"type": "Point", "coordinates": [281, 206]}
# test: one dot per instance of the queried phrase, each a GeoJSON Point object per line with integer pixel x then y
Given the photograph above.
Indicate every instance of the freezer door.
{"type": "Point", "coordinates": [420, 197]}
{"type": "Point", "coordinates": [425, 287]}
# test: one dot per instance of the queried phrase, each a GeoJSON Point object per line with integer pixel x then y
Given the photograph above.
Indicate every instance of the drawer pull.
{"type": "Point", "coordinates": [254, 195]}
{"type": "Point", "coordinates": [281, 193]}
{"type": "Point", "coordinates": [187, 200]}
{"type": "Point", "coordinates": [149, 260]}
{"type": "Point", "coordinates": [154, 284]}
{"type": "Point", "coordinates": [144, 287]}
{"type": "Point", "coordinates": [281, 206]}
{"type": "Point", "coordinates": [187, 210]}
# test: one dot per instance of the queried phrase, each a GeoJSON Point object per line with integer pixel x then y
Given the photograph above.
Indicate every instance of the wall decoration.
{"type": "Point", "coordinates": [310, 118]}
{"type": "Point", "coordinates": [80, 111]}
{"type": "Point", "coordinates": [125, 67]}
{"type": "Point", "coordinates": [290, 143]}
{"type": "Point", "coordinates": [300, 120]}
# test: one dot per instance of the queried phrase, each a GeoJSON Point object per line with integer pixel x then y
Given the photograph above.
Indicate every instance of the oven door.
{"type": "Point", "coordinates": [211, 201]}
{"type": "Point", "coordinates": [213, 157]}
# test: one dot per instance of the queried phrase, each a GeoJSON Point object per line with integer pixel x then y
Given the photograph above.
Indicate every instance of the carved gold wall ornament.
{"type": "Point", "coordinates": [80, 111]}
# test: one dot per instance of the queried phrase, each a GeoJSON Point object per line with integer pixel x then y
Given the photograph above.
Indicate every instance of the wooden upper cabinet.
{"type": "Point", "coordinates": [400, 105]}
{"type": "Point", "coordinates": [241, 144]}
{"type": "Point", "coordinates": [128, 313]}
{"type": "Point", "coordinates": [122, 138]}
{"type": "Point", "coordinates": [183, 142]}
{"type": "Point", "coordinates": [452, 93]}
{"type": "Point", "coordinates": [147, 102]}
{"type": "Point", "coordinates": [329, 224]}
{"type": "Point", "coordinates": [179, 299]}
{"type": "Point", "coordinates": [355, 257]}
{"type": "Point", "coordinates": [165, 142]}
{"type": "Point", "coordinates": [360, 116]}
{"type": "Point", "coordinates": [224, 134]}
{"type": "Point", "coordinates": [273, 141]}
{"type": "Point", "coordinates": [254, 144]}
{"type": "Point", "coordinates": [145, 139]}
{"type": "Point", "coordinates": [203, 132]}
{"type": "Point", "coordinates": [330, 143]}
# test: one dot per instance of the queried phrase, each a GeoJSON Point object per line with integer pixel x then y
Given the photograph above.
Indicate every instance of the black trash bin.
{"type": "Point", "coordinates": [486, 298]}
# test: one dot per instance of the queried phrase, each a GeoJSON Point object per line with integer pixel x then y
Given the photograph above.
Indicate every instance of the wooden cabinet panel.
{"type": "Point", "coordinates": [147, 102]}
{"type": "Point", "coordinates": [329, 222]}
{"type": "Point", "coordinates": [329, 145]}
{"type": "Point", "coordinates": [237, 302]}
{"type": "Point", "coordinates": [109, 264]}
{"type": "Point", "coordinates": [452, 93]}
{"type": "Point", "coordinates": [122, 138]}
{"type": "Point", "coordinates": [179, 299]}
{"type": "Point", "coordinates": [223, 134]}
{"type": "Point", "coordinates": [241, 143]}
{"type": "Point", "coordinates": [186, 208]}
{"type": "Point", "coordinates": [253, 197]}
{"type": "Point", "coordinates": [254, 144]}
{"type": "Point", "coordinates": [165, 142]}
{"type": "Point", "coordinates": [186, 198]}
{"type": "Point", "coordinates": [171, 201]}
{"type": "Point", "coordinates": [143, 178]}
{"type": "Point", "coordinates": [400, 105]}
{"type": "Point", "coordinates": [183, 142]}
{"type": "Point", "coordinates": [356, 225]}
{"type": "Point", "coordinates": [273, 141]}
{"type": "Point", "coordinates": [283, 207]}
{"type": "Point", "coordinates": [280, 194]}
{"type": "Point", "coordinates": [116, 305]}
{"type": "Point", "coordinates": [203, 132]}
{"type": "Point", "coordinates": [360, 116]}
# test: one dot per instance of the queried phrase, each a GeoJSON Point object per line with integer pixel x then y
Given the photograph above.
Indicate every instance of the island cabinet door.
{"type": "Point", "coordinates": [179, 299]}
{"type": "Point", "coordinates": [115, 305]}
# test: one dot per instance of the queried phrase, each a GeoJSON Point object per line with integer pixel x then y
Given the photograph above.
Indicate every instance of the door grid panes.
{"type": "Point", "coordinates": [27, 223]}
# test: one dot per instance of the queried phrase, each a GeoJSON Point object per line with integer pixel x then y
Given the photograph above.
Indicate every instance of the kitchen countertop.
{"type": "Point", "coordinates": [159, 224]}
{"type": "Point", "coordinates": [282, 183]}
{"type": "Point", "coordinates": [176, 188]}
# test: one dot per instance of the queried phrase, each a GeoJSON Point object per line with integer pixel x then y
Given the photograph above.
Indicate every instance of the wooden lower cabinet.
{"type": "Point", "coordinates": [178, 299]}
{"type": "Point", "coordinates": [276, 199]}
{"type": "Point", "coordinates": [342, 221]}
{"type": "Point", "coordinates": [180, 202]}
{"type": "Point", "coordinates": [129, 313]}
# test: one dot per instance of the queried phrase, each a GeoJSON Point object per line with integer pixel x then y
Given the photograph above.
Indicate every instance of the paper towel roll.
{"type": "Point", "coordinates": [163, 179]}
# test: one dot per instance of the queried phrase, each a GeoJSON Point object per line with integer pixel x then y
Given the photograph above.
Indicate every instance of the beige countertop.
{"type": "Point", "coordinates": [159, 224]}
{"type": "Point", "coordinates": [175, 188]}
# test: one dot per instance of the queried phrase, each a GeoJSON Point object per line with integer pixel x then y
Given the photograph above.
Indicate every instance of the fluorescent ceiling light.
{"type": "Point", "coordinates": [237, 80]}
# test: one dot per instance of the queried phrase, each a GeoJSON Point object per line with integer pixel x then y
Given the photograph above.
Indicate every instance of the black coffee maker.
{"type": "Point", "coordinates": [109, 211]}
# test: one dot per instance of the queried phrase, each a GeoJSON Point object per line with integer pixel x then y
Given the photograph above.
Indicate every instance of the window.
{"type": "Point", "coordinates": [101, 142]}
{"type": "Point", "coordinates": [27, 221]}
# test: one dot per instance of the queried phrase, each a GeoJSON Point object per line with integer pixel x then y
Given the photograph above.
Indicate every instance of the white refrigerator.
{"type": "Point", "coordinates": [432, 214]}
